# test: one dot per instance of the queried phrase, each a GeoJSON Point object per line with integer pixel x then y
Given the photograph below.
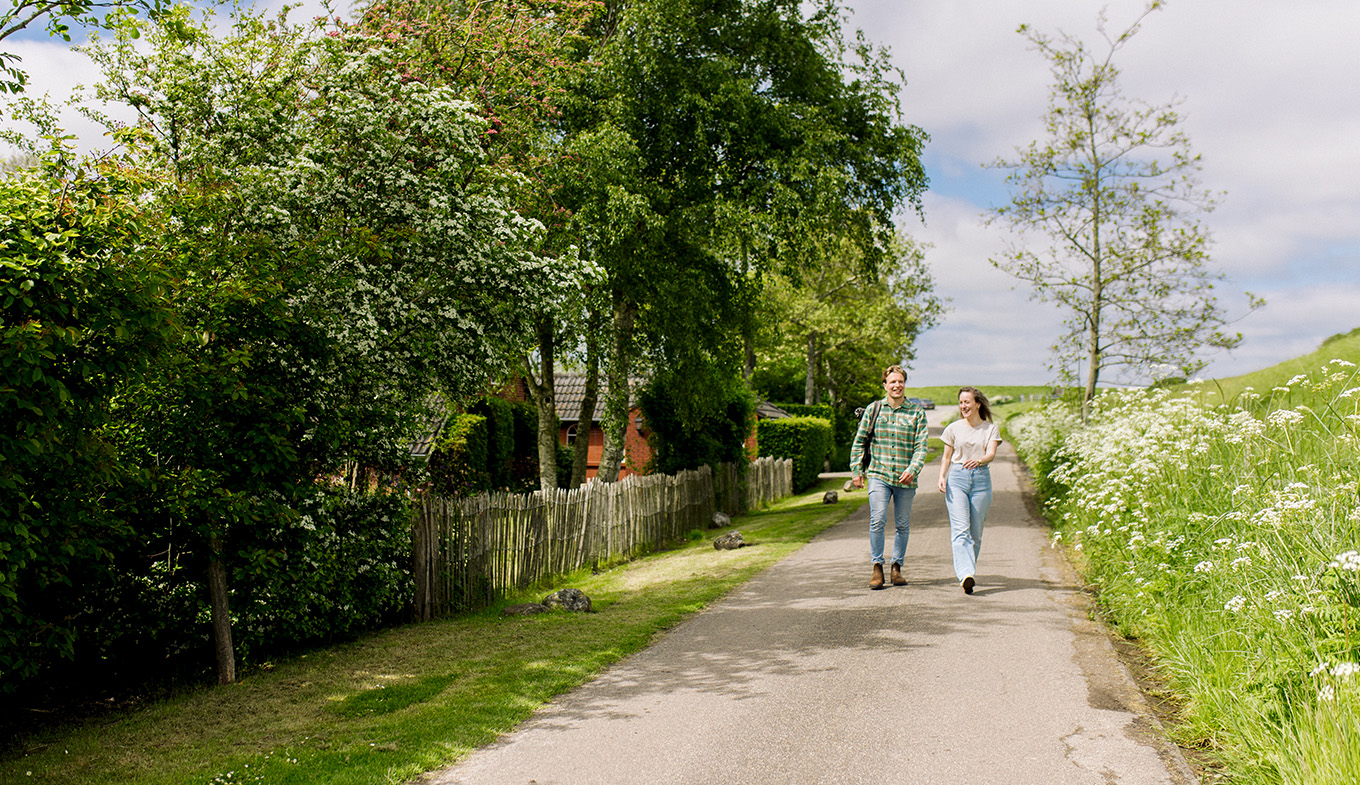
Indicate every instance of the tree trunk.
{"type": "Point", "coordinates": [580, 456]}
{"type": "Point", "coordinates": [616, 400]}
{"type": "Point", "coordinates": [221, 613]}
{"type": "Point", "coordinates": [810, 378]}
{"type": "Point", "coordinates": [1093, 350]}
{"type": "Point", "coordinates": [545, 398]}
{"type": "Point", "coordinates": [750, 368]}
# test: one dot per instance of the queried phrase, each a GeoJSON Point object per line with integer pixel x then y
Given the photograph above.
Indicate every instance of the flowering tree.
{"type": "Point", "coordinates": [343, 247]}
{"type": "Point", "coordinates": [512, 62]}
{"type": "Point", "coordinates": [1115, 190]}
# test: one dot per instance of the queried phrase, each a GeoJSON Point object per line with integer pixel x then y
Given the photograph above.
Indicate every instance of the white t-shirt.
{"type": "Point", "coordinates": [970, 443]}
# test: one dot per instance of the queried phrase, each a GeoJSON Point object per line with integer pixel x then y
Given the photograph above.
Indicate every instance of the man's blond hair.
{"type": "Point", "coordinates": [891, 369]}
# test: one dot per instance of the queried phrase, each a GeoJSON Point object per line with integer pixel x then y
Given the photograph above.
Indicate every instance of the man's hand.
{"type": "Point", "coordinates": [906, 478]}
{"type": "Point", "coordinates": [858, 482]}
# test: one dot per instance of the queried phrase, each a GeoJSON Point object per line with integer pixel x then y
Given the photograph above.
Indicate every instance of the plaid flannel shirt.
{"type": "Point", "coordinates": [900, 443]}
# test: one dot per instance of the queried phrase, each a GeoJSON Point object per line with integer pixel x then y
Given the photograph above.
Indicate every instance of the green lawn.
{"type": "Point", "coordinates": [1345, 346]}
{"type": "Point", "coordinates": [407, 700]}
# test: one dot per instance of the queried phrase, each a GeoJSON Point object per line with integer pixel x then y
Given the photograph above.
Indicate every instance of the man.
{"type": "Point", "coordinates": [896, 456]}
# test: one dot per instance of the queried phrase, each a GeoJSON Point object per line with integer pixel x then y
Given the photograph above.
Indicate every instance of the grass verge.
{"type": "Point", "coordinates": [420, 697]}
{"type": "Point", "coordinates": [1226, 540]}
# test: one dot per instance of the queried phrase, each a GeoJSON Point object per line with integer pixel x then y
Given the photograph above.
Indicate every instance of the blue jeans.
{"type": "Point", "coordinates": [967, 496]}
{"type": "Point", "coordinates": [879, 494]}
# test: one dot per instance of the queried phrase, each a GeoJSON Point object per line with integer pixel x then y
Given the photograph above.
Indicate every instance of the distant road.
{"type": "Point", "coordinates": [806, 676]}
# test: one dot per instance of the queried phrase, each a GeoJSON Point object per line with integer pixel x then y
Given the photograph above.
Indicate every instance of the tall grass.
{"type": "Point", "coordinates": [1225, 537]}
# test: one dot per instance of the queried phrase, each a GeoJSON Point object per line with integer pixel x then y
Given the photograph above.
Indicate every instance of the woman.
{"type": "Point", "coordinates": [966, 482]}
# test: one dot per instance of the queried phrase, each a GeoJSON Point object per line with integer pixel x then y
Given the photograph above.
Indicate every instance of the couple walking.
{"type": "Point", "coordinates": [889, 453]}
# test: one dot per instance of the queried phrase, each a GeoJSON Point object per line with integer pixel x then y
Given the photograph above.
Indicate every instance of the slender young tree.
{"type": "Point", "coordinates": [1114, 191]}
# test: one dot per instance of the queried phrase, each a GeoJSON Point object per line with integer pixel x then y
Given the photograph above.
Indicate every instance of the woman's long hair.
{"type": "Point", "coordinates": [984, 411]}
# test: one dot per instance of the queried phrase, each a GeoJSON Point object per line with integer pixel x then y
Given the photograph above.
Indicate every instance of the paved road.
{"type": "Point", "coordinates": [806, 676]}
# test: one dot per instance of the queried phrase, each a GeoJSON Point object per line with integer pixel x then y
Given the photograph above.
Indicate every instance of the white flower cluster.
{"type": "Point", "coordinates": [1350, 560]}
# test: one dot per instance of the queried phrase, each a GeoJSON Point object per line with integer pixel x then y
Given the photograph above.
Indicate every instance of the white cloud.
{"type": "Point", "coordinates": [1266, 94]}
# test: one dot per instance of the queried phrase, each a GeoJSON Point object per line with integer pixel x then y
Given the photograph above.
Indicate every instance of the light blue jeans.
{"type": "Point", "coordinates": [968, 497]}
{"type": "Point", "coordinates": [880, 493]}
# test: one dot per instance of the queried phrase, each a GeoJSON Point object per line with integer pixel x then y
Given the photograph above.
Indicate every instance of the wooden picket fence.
{"type": "Point", "coordinates": [467, 553]}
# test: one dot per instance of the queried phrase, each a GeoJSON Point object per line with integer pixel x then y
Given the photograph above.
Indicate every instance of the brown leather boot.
{"type": "Point", "coordinates": [896, 575]}
{"type": "Point", "coordinates": [876, 581]}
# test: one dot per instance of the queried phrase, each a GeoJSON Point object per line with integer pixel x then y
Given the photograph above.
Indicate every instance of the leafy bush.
{"type": "Point", "coordinates": [81, 320]}
{"type": "Point", "coordinates": [338, 568]}
{"type": "Point", "coordinates": [804, 439]}
{"type": "Point", "coordinates": [687, 438]}
{"type": "Point", "coordinates": [842, 427]}
{"type": "Point", "coordinates": [501, 446]}
{"type": "Point", "coordinates": [524, 464]}
{"type": "Point", "coordinates": [457, 464]}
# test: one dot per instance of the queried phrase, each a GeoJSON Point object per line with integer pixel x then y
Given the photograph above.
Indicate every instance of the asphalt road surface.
{"type": "Point", "coordinates": [804, 675]}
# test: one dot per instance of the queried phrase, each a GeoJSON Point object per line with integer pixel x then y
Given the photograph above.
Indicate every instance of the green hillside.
{"type": "Point", "coordinates": [1343, 346]}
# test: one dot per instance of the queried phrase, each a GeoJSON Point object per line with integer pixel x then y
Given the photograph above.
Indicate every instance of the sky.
{"type": "Point", "coordinates": [1269, 100]}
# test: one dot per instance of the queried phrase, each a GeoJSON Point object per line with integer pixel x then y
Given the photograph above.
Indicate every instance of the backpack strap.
{"type": "Point", "coordinates": [873, 417]}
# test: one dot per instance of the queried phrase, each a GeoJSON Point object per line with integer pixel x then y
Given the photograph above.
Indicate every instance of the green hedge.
{"type": "Point", "coordinates": [807, 440]}
{"type": "Point", "coordinates": [501, 444]}
{"type": "Point", "coordinates": [842, 427]}
{"type": "Point", "coordinates": [458, 462]}
{"type": "Point", "coordinates": [714, 435]}
{"type": "Point", "coordinates": [524, 462]}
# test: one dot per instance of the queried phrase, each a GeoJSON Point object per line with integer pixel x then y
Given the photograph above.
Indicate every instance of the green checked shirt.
{"type": "Point", "coordinates": [900, 443]}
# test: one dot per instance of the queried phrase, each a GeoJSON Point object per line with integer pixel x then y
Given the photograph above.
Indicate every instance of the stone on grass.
{"type": "Point", "coordinates": [830, 497]}
{"type": "Point", "coordinates": [730, 542]}
{"type": "Point", "coordinates": [525, 609]}
{"type": "Point", "coordinates": [721, 520]}
{"type": "Point", "coordinates": [848, 486]}
{"type": "Point", "coordinates": [568, 600]}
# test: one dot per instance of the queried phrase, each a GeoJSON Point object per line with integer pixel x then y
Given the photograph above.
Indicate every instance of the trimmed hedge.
{"type": "Point", "coordinates": [501, 444]}
{"type": "Point", "coordinates": [842, 427]}
{"type": "Point", "coordinates": [457, 465]}
{"type": "Point", "coordinates": [807, 440]}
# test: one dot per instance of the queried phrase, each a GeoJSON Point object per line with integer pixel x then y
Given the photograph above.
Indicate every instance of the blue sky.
{"type": "Point", "coordinates": [1269, 101]}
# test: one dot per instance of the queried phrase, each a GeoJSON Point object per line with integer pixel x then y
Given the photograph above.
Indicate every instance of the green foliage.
{"type": "Point", "coordinates": [82, 317]}
{"type": "Point", "coordinates": [524, 466]}
{"type": "Point", "coordinates": [838, 319]}
{"type": "Point", "coordinates": [688, 438]}
{"type": "Point", "coordinates": [339, 568]}
{"type": "Point", "coordinates": [843, 425]}
{"type": "Point", "coordinates": [502, 446]}
{"type": "Point", "coordinates": [718, 136]}
{"type": "Point", "coordinates": [566, 458]}
{"type": "Point", "coordinates": [457, 464]}
{"type": "Point", "coordinates": [807, 440]}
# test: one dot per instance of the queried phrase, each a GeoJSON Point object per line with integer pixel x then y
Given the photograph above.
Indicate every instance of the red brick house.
{"type": "Point", "coordinates": [569, 389]}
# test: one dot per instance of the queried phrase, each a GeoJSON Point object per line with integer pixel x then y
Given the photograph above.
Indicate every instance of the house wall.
{"type": "Point", "coordinates": [637, 451]}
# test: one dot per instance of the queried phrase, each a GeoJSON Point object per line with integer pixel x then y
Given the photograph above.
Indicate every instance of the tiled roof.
{"type": "Point", "coordinates": [570, 388]}
{"type": "Point", "coordinates": [768, 411]}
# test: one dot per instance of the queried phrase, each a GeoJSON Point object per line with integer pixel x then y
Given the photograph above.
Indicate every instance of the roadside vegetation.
{"type": "Point", "coordinates": [1223, 537]}
{"type": "Point", "coordinates": [406, 700]}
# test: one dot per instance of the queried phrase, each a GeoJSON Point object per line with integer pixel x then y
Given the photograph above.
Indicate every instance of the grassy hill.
{"type": "Point", "coordinates": [1343, 346]}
